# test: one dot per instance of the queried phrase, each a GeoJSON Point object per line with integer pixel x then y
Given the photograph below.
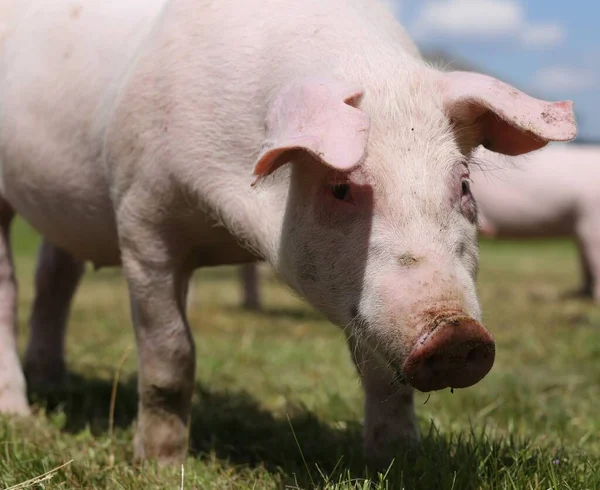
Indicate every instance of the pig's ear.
{"type": "Point", "coordinates": [316, 117]}
{"type": "Point", "coordinates": [505, 119]}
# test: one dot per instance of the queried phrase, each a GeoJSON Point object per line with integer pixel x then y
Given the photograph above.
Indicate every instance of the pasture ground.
{"type": "Point", "coordinates": [278, 402]}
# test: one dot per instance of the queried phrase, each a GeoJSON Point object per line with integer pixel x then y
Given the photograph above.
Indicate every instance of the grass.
{"type": "Point", "coordinates": [278, 403]}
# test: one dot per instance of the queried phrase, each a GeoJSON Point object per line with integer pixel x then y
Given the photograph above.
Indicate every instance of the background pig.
{"type": "Point", "coordinates": [250, 287]}
{"type": "Point", "coordinates": [554, 192]}
{"type": "Point", "coordinates": [170, 136]}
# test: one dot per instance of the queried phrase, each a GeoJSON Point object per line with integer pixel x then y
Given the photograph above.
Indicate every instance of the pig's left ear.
{"type": "Point", "coordinates": [318, 118]}
{"type": "Point", "coordinates": [505, 119]}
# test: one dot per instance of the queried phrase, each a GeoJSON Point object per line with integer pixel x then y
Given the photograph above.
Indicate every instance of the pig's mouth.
{"type": "Point", "coordinates": [454, 351]}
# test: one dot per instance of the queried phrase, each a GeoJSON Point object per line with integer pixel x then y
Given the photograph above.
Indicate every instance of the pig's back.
{"type": "Point", "coordinates": [59, 61]}
{"type": "Point", "coordinates": [538, 195]}
{"type": "Point", "coordinates": [216, 65]}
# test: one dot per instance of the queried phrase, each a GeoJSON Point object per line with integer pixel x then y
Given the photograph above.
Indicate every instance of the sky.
{"type": "Point", "coordinates": [548, 48]}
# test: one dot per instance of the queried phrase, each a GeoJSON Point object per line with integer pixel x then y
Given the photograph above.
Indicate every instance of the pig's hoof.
{"type": "Point", "coordinates": [162, 438]}
{"type": "Point", "coordinates": [383, 446]}
{"type": "Point", "coordinates": [13, 391]}
{"type": "Point", "coordinates": [13, 402]}
{"type": "Point", "coordinates": [44, 373]}
{"type": "Point", "coordinates": [13, 397]}
{"type": "Point", "coordinates": [251, 305]}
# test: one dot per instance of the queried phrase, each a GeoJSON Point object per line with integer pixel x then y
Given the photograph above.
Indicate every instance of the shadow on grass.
{"type": "Point", "coordinates": [300, 447]}
{"type": "Point", "coordinates": [229, 425]}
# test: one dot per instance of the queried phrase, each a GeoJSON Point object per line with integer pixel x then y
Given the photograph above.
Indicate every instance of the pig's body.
{"type": "Point", "coordinates": [551, 193]}
{"type": "Point", "coordinates": [129, 133]}
{"type": "Point", "coordinates": [58, 138]}
{"type": "Point", "coordinates": [52, 138]}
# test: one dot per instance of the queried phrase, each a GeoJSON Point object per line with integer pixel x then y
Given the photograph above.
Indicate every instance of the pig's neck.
{"type": "Point", "coordinates": [255, 214]}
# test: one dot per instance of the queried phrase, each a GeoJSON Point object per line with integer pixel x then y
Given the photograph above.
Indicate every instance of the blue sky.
{"type": "Point", "coordinates": [549, 48]}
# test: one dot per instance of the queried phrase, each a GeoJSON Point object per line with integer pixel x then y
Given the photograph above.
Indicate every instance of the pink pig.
{"type": "Point", "coordinates": [166, 135]}
{"type": "Point", "coordinates": [554, 192]}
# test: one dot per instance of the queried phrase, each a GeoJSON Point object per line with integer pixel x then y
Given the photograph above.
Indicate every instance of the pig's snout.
{"type": "Point", "coordinates": [455, 353]}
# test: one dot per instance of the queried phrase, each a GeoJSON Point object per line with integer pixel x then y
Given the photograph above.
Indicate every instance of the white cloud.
{"type": "Point", "coordinates": [543, 35]}
{"type": "Point", "coordinates": [565, 79]}
{"type": "Point", "coordinates": [481, 18]}
{"type": "Point", "coordinates": [491, 19]}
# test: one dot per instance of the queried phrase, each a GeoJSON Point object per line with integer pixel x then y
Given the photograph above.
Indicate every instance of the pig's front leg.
{"type": "Point", "coordinates": [390, 424]}
{"type": "Point", "coordinates": [166, 361]}
{"type": "Point", "coordinates": [13, 397]}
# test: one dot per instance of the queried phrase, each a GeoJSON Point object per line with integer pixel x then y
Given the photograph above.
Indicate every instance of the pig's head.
{"type": "Point", "coordinates": [380, 230]}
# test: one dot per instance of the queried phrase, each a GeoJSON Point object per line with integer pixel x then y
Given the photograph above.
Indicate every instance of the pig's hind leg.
{"type": "Point", "coordinates": [56, 279]}
{"type": "Point", "coordinates": [250, 286]}
{"type": "Point", "coordinates": [587, 287]}
{"type": "Point", "coordinates": [588, 238]}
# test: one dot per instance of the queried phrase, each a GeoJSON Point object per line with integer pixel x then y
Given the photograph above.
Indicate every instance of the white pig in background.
{"type": "Point", "coordinates": [554, 192]}
{"type": "Point", "coordinates": [131, 134]}
{"type": "Point", "coordinates": [249, 276]}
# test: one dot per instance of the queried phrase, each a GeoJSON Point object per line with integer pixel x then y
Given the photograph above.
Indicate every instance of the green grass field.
{"type": "Point", "coordinates": [278, 403]}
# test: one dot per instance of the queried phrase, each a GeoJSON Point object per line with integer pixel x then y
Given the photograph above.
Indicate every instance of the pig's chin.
{"type": "Point", "coordinates": [454, 351]}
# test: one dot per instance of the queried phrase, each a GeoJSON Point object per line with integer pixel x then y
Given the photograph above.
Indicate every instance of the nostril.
{"type": "Point", "coordinates": [473, 354]}
{"type": "Point", "coordinates": [477, 354]}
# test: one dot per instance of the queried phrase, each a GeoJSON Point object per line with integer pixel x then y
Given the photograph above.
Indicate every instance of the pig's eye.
{"type": "Point", "coordinates": [466, 188]}
{"type": "Point", "coordinates": [467, 202]}
{"type": "Point", "coordinates": [341, 192]}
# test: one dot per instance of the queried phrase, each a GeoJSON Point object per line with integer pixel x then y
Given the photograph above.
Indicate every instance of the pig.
{"type": "Point", "coordinates": [554, 192]}
{"type": "Point", "coordinates": [162, 136]}
{"type": "Point", "coordinates": [249, 276]}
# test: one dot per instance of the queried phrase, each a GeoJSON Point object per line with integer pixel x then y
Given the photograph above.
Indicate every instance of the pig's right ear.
{"type": "Point", "coordinates": [317, 117]}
